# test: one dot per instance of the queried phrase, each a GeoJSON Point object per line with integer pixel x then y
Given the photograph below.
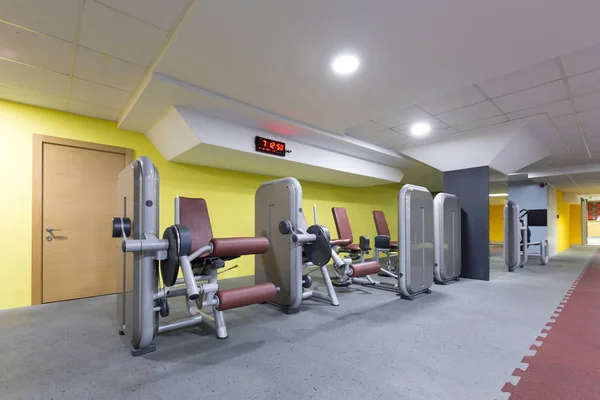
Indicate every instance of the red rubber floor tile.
{"type": "Point", "coordinates": [567, 364]}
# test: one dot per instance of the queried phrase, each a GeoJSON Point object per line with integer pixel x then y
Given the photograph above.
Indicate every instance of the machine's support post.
{"type": "Point", "coordinates": [220, 326]}
{"type": "Point", "coordinates": [329, 286]}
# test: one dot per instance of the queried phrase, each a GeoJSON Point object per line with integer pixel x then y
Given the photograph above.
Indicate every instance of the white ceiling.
{"type": "Point", "coordinates": [86, 57]}
{"type": "Point", "coordinates": [445, 62]}
{"type": "Point", "coordinates": [545, 88]}
{"type": "Point", "coordinates": [535, 90]}
{"type": "Point", "coordinates": [584, 183]}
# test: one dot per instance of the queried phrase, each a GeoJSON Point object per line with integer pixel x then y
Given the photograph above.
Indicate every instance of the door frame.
{"type": "Point", "coordinates": [37, 200]}
{"type": "Point", "coordinates": [584, 221]}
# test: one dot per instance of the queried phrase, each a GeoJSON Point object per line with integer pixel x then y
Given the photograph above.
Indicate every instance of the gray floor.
{"type": "Point", "coordinates": [461, 342]}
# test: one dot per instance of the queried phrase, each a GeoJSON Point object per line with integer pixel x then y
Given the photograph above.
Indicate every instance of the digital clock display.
{"type": "Point", "coordinates": [264, 145]}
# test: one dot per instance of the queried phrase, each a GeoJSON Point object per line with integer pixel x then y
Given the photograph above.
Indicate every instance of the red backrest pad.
{"type": "Point", "coordinates": [342, 223]}
{"type": "Point", "coordinates": [193, 214]}
{"type": "Point", "coordinates": [380, 223]}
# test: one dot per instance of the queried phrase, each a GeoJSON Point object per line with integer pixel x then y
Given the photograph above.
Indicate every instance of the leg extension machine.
{"type": "Point", "coordinates": [140, 300]}
{"type": "Point", "coordinates": [294, 246]}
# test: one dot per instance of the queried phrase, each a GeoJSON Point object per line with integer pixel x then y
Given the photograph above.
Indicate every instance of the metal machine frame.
{"type": "Point", "coordinates": [278, 201]}
{"type": "Point", "coordinates": [415, 224]}
{"type": "Point", "coordinates": [383, 244]}
{"type": "Point", "coordinates": [140, 299]}
{"type": "Point", "coordinates": [415, 247]}
{"type": "Point", "coordinates": [515, 228]}
{"type": "Point", "coordinates": [447, 232]}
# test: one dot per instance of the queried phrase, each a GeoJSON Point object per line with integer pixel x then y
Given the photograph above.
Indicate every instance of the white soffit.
{"type": "Point", "coordinates": [162, 92]}
{"type": "Point", "coordinates": [504, 148]}
{"type": "Point", "coordinates": [186, 135]}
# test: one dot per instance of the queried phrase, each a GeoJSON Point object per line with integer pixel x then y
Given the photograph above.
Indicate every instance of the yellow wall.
{"type": "Point", "coordinates": [575, 225]}
{"type": "Point", "coordinates": [563, 222]}
{"type": "Point", "coordinates": [230, 195]}
{"type": "Point", "coordinates": [496, 223]}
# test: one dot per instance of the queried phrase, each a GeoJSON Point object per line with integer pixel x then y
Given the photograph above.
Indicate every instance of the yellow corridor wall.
{"type": "Point", "coordinates": [575, 225]}
{"type": "Point", "coordinates": [496, 223]}
{"type": "Point", "coordinates": [230, 195]}
{"type": "Point", "coordinates": [563, 222]}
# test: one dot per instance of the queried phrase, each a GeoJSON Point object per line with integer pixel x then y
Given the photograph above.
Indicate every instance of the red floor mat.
{"type": "Point", "coordinates": [567, 364]}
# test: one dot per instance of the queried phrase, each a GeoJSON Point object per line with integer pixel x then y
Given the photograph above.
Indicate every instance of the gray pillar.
{"type": "Point", "coordinates": [472, 187]}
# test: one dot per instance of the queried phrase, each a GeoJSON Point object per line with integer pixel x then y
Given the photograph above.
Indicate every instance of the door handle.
{"type": "Point", "coordinates": [50, 229]}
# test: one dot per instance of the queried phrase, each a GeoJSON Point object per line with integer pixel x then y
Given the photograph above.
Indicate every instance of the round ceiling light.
{"type": "Point", "coordinates": [420, 129]}
{"type": "Point", "coordinates": [346, 64]}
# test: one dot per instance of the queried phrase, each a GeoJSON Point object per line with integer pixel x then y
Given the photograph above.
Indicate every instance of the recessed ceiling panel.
{"type": "Point", "coordinates": [32, 48]}
{"type": "Point", "coordinates": [57, 18]}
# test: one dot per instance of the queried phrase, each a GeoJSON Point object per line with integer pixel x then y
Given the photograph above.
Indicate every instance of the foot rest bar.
{"type": "Point", "coordinates": [364, 269]}
{"type": "Point", "coordinates": [244, 296]}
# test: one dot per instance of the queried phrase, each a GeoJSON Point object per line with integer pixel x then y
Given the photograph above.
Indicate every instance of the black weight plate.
{"type": "Point", "coordinates": [169, 268]}
{"type": "Point", "coordinates": [319, 251]}
{"type": "Point", "coordinates": [185, 240]}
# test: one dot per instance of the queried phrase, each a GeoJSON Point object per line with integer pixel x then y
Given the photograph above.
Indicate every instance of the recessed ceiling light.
{"type": "Point", "coordinates": [420, 129]}
{"type": "Point", "coordinates": [345, 64]}
{"type": "Point", "coordinates": [498, 195]}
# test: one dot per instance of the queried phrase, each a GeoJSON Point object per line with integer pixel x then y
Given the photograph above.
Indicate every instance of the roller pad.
{"type": "Point", "coordinates": [364, 269]}
{"type": "Point", "coordinates": [244, 296]}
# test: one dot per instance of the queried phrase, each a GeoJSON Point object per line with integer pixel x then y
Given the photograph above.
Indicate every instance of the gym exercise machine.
{"type": "Point", "coordinates": [345, 242]}
{"type": "Point", "coordinates": [187, 246]}
{"type": "Point", "coordinates": [294, 247]}
{"type": "Point", "coordinates": [447, 242]}
{"type": "Point", "coordinates": [415, 224]}
{"type": "Point", "coordinates": [517, 238]}
{"type": "Point", "coordinates": [384, 231]}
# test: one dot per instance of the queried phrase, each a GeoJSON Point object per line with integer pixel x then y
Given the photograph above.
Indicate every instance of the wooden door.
{"type": "Point", "coordinates": [79, 188]}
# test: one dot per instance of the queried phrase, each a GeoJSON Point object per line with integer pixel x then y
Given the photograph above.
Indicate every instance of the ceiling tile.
{"type": "Point", "coordinates": [111, 32]}
{"type": "Point", "coordinates": [32, 97]}
{"type": "Point", "coordinates": [533, 97]}
{"type": "Point", "coordinates": [526, 78]}
{"type": "Point", "coordinates": [100, 68]}
{"type": "Point", "coordinates": [92, 110]}
{"type": "Point", "coordinates": [569, 130]}
{"type": "Point", "coordinates": [480, 123]}
{"type": "Point", "coordinates": [433, 136]}
{"type": "Point", "coordinates": [583, 60]}
{"type": "Point", "coordinates": [555, 109]}
{"type": "Point", "coordinates": [565, 121]}
{"type": "Point", "coordinates": [435, 123]}
{"type": "Point", "coordinates": [56, 17]}
{"type": "Point", "coordinates": [454, 100]}
{"type": "Point", "coordinates": [401, 117]}
{"type": "Point", "coordinates": [589, 116]}
{"type": "Point", "coordinates": [33, 48]}
{"type": "Point", "coordinates": [585, 83]}
{"type": "Point", "coordinates": [592, 130]}
{"type": "Point", "coordinates": [400, 139]}
{"type": "Point", "coordinates": [384, 137]}
{"type": "Point", "coordinates": [444, 131]}
{"type": "Point", "coordinates": [160, 13]}
{"type": "Point", "coordinates": [365, 129]}
{"type": "Point", "coordinates": [593, 139]}
{"type": "Point", "coordinates": [587, 102]}
{"type": "Point", "coordinates": [32, 78]}
{"type": "Point", "coordinates": [101, 95]}
{"type": "Point", "coordinates": [574, 141]}
{"type": "Point", "coordinates": [471, 113]}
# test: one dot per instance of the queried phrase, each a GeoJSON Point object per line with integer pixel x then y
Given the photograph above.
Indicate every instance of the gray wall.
{"type": "Point", "coordinates": [529, 195]}
{"type": "Point", "coordinates": [471, 186]}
